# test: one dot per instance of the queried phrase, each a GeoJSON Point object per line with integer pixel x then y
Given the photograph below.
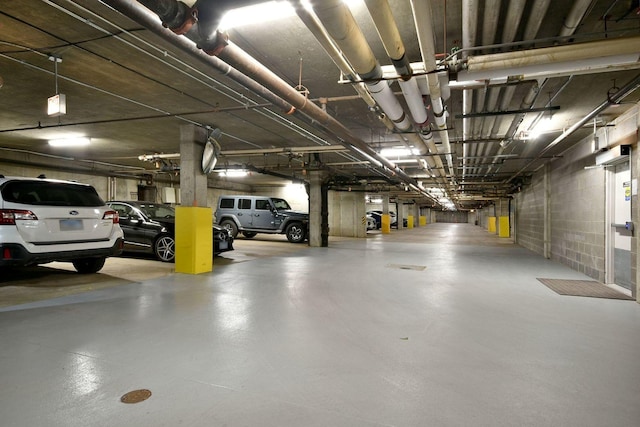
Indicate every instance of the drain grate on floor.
{"type": "Point", "coordinates": [136, 396]}
{"type": "Point", "coordinates": [407, 267]}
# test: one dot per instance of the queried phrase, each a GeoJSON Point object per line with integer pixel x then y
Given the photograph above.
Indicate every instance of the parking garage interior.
{"type": "Point", "coordinates": [500, 135]}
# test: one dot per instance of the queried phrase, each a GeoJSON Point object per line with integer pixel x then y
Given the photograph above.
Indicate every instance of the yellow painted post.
{"type": "Point", "coordinates": [385, 224]}
{"type": "Point", "coordinates": [423, 220]}
{"type": "Point", "coordinates": [409, 221]}
{"type": "Point", "coordinates": [491, 226]}
{"type": "Point", "coordinates": [194, 240]}
{"type": "Point", "coordinates": [503, 226]}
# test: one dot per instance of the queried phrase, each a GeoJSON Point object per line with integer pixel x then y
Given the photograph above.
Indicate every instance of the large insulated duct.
{"type": "Point", "coordinates": [387, 29]}
{"type": "Point", "coordinates": [394, 46]}
{"type": "Point", "coordinates": [310, 20]}
{"type": "Point", "coordinates": [342, 27]}
{"type": "Point", "coordinates": [577, 58]}
{"type": "Point", "coordinates": [423, 22]}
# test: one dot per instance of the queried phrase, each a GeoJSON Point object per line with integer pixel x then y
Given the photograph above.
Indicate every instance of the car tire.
{"type": "Point", "coordinates": [164, 248]}
{"type": "Point", "coordinates": [231, 226]}
{"type": "Point", "coordinates": [249, 234]}
{"type": "Point", "coordinates": [88, 265]}
{"type": "Point", "coordinates": [296, 232]}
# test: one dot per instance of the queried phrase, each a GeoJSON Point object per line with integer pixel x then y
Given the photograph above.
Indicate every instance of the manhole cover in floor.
{"type": "Point", "coordinates": [136, 396]}
{"type": "Point", "coordinates": [407, 267]}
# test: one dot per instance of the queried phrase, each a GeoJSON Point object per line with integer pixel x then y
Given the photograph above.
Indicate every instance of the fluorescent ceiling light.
{"type": "Point", "coordinates": [258, 13]}
{"type": "Point", "coordinates": [397, 152]}
{"type": "Point", "coordinates": [232, 173]}
{"type": "Point", "coordinates": [70, 142]}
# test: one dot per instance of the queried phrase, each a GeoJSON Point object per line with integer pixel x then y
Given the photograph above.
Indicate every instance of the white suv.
{"type": "Point", "coordinates": [44, 220]}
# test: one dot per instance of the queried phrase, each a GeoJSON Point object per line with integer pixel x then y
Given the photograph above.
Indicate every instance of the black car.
{"type": "Point", "coordinates": [150, 227]}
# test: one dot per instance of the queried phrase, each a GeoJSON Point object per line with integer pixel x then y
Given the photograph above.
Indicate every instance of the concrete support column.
{"type": "Point", "coordinates": [318, 210]}
{"type": "Point", "coordinates": [347, 214]}
{"type": "Point", "coordinates": [385, 226]}
{"type": "Point", "coordinates": [193, 234]}
{"type": "Point", "coordinates": [400, 215]}
{"type": "Point", "coordinates": [193, 183]}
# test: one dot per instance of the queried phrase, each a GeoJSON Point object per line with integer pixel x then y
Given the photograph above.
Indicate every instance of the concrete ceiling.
{"type": "Point", "coordinates": [130, 91]}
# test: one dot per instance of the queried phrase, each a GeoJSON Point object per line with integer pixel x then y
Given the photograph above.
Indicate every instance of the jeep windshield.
{"type": "Point", "coordinates": [281, 204]}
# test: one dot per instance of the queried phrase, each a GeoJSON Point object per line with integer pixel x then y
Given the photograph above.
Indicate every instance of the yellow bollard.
{"type": "Point", "coordinates": [491, 226]}
{"type": "Point", "coordinates": [422, 220]}
{"type": "Point", "coordinates": [503, 226]}
{"type": "Point", "coordinates": [385, 224]}
{"type": "Point", "coordinates": [410, 221]}
{"type": "Point", "coordinates": [194, 240]}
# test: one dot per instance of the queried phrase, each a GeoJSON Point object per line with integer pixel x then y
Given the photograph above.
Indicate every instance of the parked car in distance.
{"type": "Point", "coordinates": [377, 216]}
{"type": "Point", "coordinates": [149, 227]}
{"type": "Point", "coordinates": [371, 222]}
{"type": "Point", "coordinates": [251, 215]}
{"type": "Point", "coordinates": [45, 220]}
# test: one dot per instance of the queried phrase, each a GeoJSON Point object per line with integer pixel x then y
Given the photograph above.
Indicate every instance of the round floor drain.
{"type": "Point", "coordinates": [136, 396]}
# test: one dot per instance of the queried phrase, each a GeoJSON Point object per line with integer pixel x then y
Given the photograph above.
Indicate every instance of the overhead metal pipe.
{"type": "Point", "coordinates": [469, 30]}
{"type": "Point", "coordinates": [141, 14]}
{"type": "Point", "coordinates": [266, 77]}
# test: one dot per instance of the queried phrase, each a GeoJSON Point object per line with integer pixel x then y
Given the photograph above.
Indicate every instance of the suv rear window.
{"type": "Point", "coordinates": [50, 194]}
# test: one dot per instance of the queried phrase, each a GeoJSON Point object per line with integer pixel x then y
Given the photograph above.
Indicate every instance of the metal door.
{"type": "Point", "coordinates": [621, 228]}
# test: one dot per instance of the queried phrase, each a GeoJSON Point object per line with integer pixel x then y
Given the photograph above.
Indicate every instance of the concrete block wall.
{"type": "Point", "coordinates": [452, 217]}
{"type": "Point", "coordinates": [529, 215]}
{"type": "Point", "coordinates": [578, 212]}
{"type": "Point", "coordinates": [578, 227]}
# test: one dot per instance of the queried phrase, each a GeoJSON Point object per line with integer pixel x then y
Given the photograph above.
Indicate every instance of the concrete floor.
{"type": "Point", "coordinates": [443, 325]}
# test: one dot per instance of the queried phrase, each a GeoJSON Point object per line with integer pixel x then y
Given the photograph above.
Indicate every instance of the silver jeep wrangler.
{"type": "Point", "coordinates": [260, 214]}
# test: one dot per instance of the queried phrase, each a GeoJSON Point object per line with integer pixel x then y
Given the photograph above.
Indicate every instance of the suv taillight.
{"type": "Point", "coordinates": [10, 216]}
{"type": "Point", "coordinates": [112, 215]}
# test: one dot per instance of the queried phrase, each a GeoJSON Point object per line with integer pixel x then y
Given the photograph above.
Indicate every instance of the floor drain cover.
{"type": "Point", "coordinates": [407, 267]}
{"type": "Point", "coordinates": [136, 396]}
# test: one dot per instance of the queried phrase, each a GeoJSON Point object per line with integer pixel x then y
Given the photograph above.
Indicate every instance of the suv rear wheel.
{"type": "Point", "coordinates": [296, 233]}
{"type": "Point", "coordinates": [165, 248]}
{"type": "Point", "coordinates": [88, 265]}
{"type": "Point", "coordinates": [231, 226]}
